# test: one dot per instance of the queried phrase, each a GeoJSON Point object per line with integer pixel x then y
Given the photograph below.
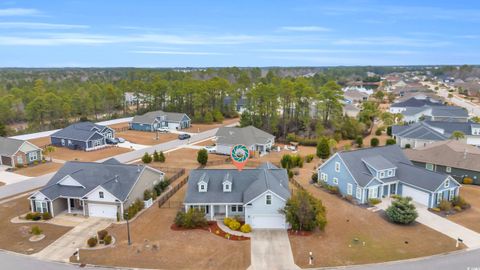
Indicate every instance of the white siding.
{"type": "Point", "coordinates": [259, 208]}
{"type": "Point", "coordinates": [94, 195]}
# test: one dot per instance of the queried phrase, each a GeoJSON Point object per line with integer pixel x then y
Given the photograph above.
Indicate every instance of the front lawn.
{"type": "Point", "coordinates": [40, 169]}
{"type": "Point", "coordinates": [469, 218]}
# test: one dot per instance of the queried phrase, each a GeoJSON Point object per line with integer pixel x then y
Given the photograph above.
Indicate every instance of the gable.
{"type": "Point", "coordinates": [94, 195]}
{"type": "Point", "coordinates": [328, 167]}
{"type": "Point", "coordinates": [70, 182]}
{"type": "Point", "coordinates": [28, 147]}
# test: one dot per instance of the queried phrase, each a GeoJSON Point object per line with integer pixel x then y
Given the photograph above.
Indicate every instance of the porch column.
{"type": "Point", "coordinates": [212, 214]}
{"type": "Point", "coordinates": [388, 190]}
{"type": "Point", "coordinates": [51, 209]}
{"type": "Point", "coordinates": [186, 208]}
{"type": "Point", "coordinates": [68, 205]}
{"type": "Point", "coordinates": [396, 188]}
{"type": "Point", "coordinates": [32, 204]}
{"type": "Point", "coordinates": [121, 210]}
{"type": "Point", "coordinates": [83, 207]}
{"type": "Point", "coordinates": [226, 210]}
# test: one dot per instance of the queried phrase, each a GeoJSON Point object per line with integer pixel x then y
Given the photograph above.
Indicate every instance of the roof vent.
{"type": "Point", "coordinates": [116, 178]}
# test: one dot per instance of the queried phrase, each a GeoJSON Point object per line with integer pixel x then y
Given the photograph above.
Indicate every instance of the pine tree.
{"type": "Point", "coordinates": [323, 148]}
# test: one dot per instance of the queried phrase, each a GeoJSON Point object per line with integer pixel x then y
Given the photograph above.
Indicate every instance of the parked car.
{"type": "Point", "coordinates": [210, 148]}
{"type": "Point", "coordinates": [163, 129]}
{"type": "Point", "coordinates": [121, 140]}
{"type": "Point", "coordinates": [112, 141]}
{"type": "Point", "coordinates": [184, 136]}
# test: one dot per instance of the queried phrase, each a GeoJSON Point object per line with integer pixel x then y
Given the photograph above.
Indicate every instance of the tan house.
{"type": "Point", "coordinates": [15, 152]}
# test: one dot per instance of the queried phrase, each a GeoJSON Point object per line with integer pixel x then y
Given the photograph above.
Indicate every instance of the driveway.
{"type": "Point", "coordinates": [270, 249]}
{"type": "Point", "coordinates": [470, 238]}
{"type": "Point", "coordinates": [65, 246]}
{"type": "Point", "coordinates": [11, 178]}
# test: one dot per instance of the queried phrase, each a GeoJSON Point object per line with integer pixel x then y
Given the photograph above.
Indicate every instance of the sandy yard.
{"type": "Point", "coordinates": [145, 137]}
{"type": "Point", "coordinates": [469, 218]}
{"type": "Point", "coordinates": [196, 128]}
{"type": "Point", "coordinates": [184, 158]}
{"type": "Point", "coordinates": [40, 169]}
{"type": "Point", "coordinates": [41, 142]}
{"type": "Point", "coordinates": [2, 184]}
{"type": "Point", "coordinates": [14, 237]}
{"type": "Point", "coordinates": [205, 143]}
{"type": "Point", "coordinates": [66, 154]}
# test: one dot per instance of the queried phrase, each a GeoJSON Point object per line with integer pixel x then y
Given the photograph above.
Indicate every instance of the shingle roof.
{"type": "Point", "coordinates": [149, 117]}
{"type": "Point", "coordinates": [379, 162]}
{"type": "Point", "coordinates": [247, 185]}
{"type": "Point", "coordinates": [451, 153]}
{"type": "Point", "coordinates": [79, 131]}
{"type": "Point", "coordinates": [9, 146]}
{"type": "Point", "coordinates": [449, 111]}
{"type": "Point", "coordinates": [405, 172]}
{"type": "Point", "coordinates": [247, 136]}
{"type": "Point", "coordinates": [450, 127]}
{"type": "Point", "coordinates": [413, 102]}
{"type": "Point", "coordinates": [118, 179]}
{"type": "Point", "coordinates": [420, 130]}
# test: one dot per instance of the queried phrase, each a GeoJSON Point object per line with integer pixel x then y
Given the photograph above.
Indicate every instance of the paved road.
{"type": "Point", "coordinates": [270, 249]}
{"type": "Point", "coordinates": [472, 108]}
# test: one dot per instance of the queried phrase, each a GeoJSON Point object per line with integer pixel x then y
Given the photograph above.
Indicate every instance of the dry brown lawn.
{"type": "Point", "coordinates": [40, 169]}
{"type": "Point", "coordinates": [184, 158]}
{"type": "Point", "coordinates": [384, 241]}
{"type": "Point", "coordinates": [205, 143]}
{"type": "Point", "coordinates": [145, 137]}
{"type": "Point", "coordinates": [41, 142]}
{"type": "Point", "coordinates": [196, 128]}
{"type": "Point", "coordinates": [14, 237]}
{"type": "Point", "coordinates": [66, 154]}
{"type": "Point", "coordinates": [469, 218]}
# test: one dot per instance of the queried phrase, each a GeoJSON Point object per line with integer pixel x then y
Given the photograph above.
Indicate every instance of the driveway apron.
{"type": "Point", "coordinates": [270, 249]}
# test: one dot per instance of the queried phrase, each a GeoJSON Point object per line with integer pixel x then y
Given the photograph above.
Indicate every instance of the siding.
{"type": "Point", "coordinates": [141, 127]}
{"type": "Point", "coordinates": [76, 145]}
{"type": "Point", "coordinates": [259, 207]}
{"type": "Point", "coordinates": [59, 205]}
{"type": "Point", "coordinates": [456, 173]}
{"type": "Point", "coordinates": [146, 181]}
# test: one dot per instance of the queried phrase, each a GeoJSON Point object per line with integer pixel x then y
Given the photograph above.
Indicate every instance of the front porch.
{"type": "Point", "coordinates": [380, 191]}
{"type": "Point", "coordinates": [218, 211]}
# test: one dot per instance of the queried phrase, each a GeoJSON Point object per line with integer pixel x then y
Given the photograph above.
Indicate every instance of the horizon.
{"type": "Point", "coordinates": [72, 34]}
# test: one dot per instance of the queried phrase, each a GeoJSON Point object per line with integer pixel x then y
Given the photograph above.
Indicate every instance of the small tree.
{"type": "Point", "coordinates": [359, 141]}
{"type": "Point", "coordinates": [49, 150]}
{"type": "Point", "coordinates": [402, 211]}
{"type": "Point", "coordinates": [161, 157]}
{"type": "Point", "coordinates": [217, 116]}
{"type": "Point", "coordinates": [374, 142]}
{"type": "Point", "coordinates": [156, 157]}
{"type": "Point", "coordinates": [208, 118]}
{"type": "Point", "coordinates": [146, 158]}
{"type": "Point", "coordinates": [202, 157]}
{"type": "Point", "coordinates": [323, 148]}
{"type": "Point", "coordinates": [457, 135]}
{"type": "Point", "coordinates": [305, 212]}
{"type": "Point", "coordinates": [389, 131]}
{"type": "Point", "coordinates": [390, 141]}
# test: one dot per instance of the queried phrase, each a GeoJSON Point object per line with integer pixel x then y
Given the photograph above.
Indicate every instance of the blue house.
{"type": "Point", "coordinates": [85, 136]}
{"type": "Point", "coordinates": [152, 121]}
{"type": "Point", "coordinates": [379, 172]}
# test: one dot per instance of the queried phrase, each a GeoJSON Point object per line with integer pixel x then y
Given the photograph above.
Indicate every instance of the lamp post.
{"type": "Point", "coordinates": [128, 230]}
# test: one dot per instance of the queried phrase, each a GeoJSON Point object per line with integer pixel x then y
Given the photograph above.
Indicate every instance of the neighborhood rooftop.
{"type": "Point", "coordinates": [80, 131]}
{"type": "Point", "coordinates": [9, 146]}
{"type": "Point", "coordinates": [246, 135]}
{"type": "Point", "coordinates": [150, 117]}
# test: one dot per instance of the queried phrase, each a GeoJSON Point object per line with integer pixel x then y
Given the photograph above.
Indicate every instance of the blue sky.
{"type": "Point", "coordinates": [107, 33]}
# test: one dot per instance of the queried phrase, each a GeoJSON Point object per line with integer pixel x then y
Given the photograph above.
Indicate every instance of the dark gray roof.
{"type": "Point", "coordinates": [9, 146]}
{"type": "Point", "coordinates": [116, 178]}
{"type": "Point", "coordinates": [405, 172]}
{"type": "Point", "coordinates": [79, 131]}
{"type": "Point", "coordinates": [449, 111]}
{"type": "Point", "coordinates": [149, 117]}
{"type": "Point", "coordinates": [379, 162]}
{"type": "Point", "coordinates": [410, 111]}
{"type": "Point", "coordinates": [420, 130]}
{"type": "Point", "coordinates": [247, 185]}
{"type": "Point", "coordinates": [247, 136]}
{"type": "Point", "coordinates": [450, 127]}
{"type": "Point", "coordinates": [413, 102]}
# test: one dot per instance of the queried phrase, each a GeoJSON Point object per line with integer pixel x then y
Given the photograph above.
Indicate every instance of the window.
{"type": "Point", "coordinates": [373, 193]}
{"type": "Point", "coordinates": [240, 208]}
{"type": "Point", "coordinates": [234, 208]}
{"type": "Point", "coordinates": [451, 194]}
{"type": "Point", "coordinates": [335, 181]}
{"type": "Point", "coordinates": [201, 187]}
{"type": "Point", "coordinates": [33, 156]}
{"type": "Point", "coordinates": [447, 183]}
{"type": "Point", "coordinates": [382, 174]}
{"type": "Point", "coordinates": [439, 197]}
{"type": "Point", "coordinates": [429, 166]}
{"type": "Point", "coordinates": [324, 177]}
{"type": "Point", "coordinates": [349, 189]}
{"type": "Point", "coordinates": [390, 172]}
{"type": "Point", "coordinates": [448, 169]}
{"type": "Point", "coordinates": [358, 193]}
{"type": "Point", "coordinates": [63, 142]}
{"type": "Point", "coordinates": [41, 207]}
{"type": "Point", "coordinates": [101, 195]}
{"type": "Point", "coordinates": [337, 166]}
{"type": "Point", "coordinates": [268, 199]}
{"type": "Point", "coordinates": [69, 142]}
{"type": "Point", "coordinates": [19, 160]}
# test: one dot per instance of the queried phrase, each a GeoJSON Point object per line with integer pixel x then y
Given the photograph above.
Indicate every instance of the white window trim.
{"type": "Point", "coordinates": [427, 165]}
{"type": "Point", "coordinates": [447, 183]}
{"type": "Point", "coordinates": [337, 166]}
{"type": "Point", "coordinates": [382, 174]}
{"type": "Point", "coordinates": [439, 197]}
{"type": "Point", "coordinates": [451, 194]}
{"type": "Point", "coordinates": [349, 189]}
{"type": "Point", "coordinates": [373, 191]}
{"type": "Point", "coordinates": [448, 169]}
{"type": "Point", "coordinates": [358, 193]}
{"type": "Point", "coordinates": [268, 198]}
{"type": "Point", "coordinates": [390, 172]}
{"type": "Point", "coordinates": [202, 188]}
{"type": "Point", "coordinates": [101, 195]}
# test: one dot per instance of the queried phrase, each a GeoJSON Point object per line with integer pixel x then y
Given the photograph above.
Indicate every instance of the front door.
{"type": "Point", "coordinates": [72, 203]}
{"type": "Point", "coordinates": [393, 188]}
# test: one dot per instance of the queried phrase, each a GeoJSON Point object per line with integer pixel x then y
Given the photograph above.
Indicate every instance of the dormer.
{"type": "Point", "coordinates": [203, 183]}
{"type": "Point", "coordinates": [380, 167]}
{"type": "Point", "coordinates": [227, 183]}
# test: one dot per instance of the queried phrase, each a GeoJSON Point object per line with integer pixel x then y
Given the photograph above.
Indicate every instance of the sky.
{"type": "Point", "coordinates": [183, 33]}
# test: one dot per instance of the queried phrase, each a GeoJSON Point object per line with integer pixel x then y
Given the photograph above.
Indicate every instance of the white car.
{"type": "Point", "coordinates": [210, 148]}
{"type": "Point", "coordinates": [163, 129]}
{"type": "Point", "coordinates": [121, 140]}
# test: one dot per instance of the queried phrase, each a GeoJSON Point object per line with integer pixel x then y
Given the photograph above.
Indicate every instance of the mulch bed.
{"type": "Point", "coordinates": [299, 233]}
{"type": "Point", "coordinates": [213, 228]}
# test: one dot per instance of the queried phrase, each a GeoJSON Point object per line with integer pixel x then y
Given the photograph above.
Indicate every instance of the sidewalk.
{"type": "Point", "coordinates": [232, 232]}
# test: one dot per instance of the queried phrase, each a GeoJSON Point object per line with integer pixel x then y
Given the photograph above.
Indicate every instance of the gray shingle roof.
{"type": "Point", "coordinates": [379, 162]}
{"type": "Point", "coordinates": [410, 111]}
{"type": "Point", "coordinates": [9, 146]}
{"type": "Point", "coordinates": [420, 130]}
{"type": "Point", "coordinates": [79, 131]}
{"type": "Point", "coordinates": [247, 136]}
{"type": "Point", "coordinates": [405, 172]}
{"type": "Point", "coordinates": [413, 102]}
{"type": "Point", "coordinates": [149, 117]}
{"type": "Point", "coordinates": [449, 111]}
{"type": "Point", "coordinates": [117, 179]}
{"type": "Point", "coordinates": [450, 127]}
{"type": "Point", "coordinates": [247, 185]}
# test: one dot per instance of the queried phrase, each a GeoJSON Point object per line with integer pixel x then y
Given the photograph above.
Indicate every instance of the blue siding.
{"type": "Point", "coordinates": [141, 127]}
{"type": "Point", "coordinates": [344, 177]}
{"type": "Point", "coordinates": [76, 145]}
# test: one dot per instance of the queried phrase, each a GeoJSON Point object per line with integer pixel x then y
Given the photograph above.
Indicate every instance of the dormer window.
{"type": "Point", "coordinates": [382, 174]}
{"type": "Point", "coordinates": [203, 183]}
{"type": "Point", "coordinates": [390, 172]}
{"type": "Point", "coordinates": [202, 188]}
{"type": "Point", "coordinates": [101, 195]}
{"type": "Point", "coordinates": [227, 187]}
{"type": "Point", "coordinates": [268, 199]}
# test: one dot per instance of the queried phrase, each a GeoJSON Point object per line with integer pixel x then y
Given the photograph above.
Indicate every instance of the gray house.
{"type": "Point", "coordinates": [85, 136]}
{"type": "Point", "coordinates": [253, 138]}
{"type": "Point", "coordinates": [256, 195]}
{"type": "Point", "coordinates": [152, 121]}
{"type": "Point", "coordinates": [452, 157]}
{"type": "Point", "coordinates": [95, 189]}
{"type": "Point", "coordinates": [15, 152]}
{"type": "Point", "coordinates": [378, 172]}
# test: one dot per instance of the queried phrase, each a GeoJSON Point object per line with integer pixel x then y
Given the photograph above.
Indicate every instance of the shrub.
{"type": "Point", "coordinates": [315, 177]}
{"type": "Point", "coordinates": [179, 218]}
{"type": "Point", "coordinates": [402, 211]}
{"type": "Point", "coordinates": [208, 118]}
{"type": "Point", "coordinates": [245, 228]}
{"type": "Point", "coordinates": [374, 142]}
{"type": "Point", "coordinates": [217, 116]}
{"type": "Point", "coordinates": [408, 146]}
{"type": "Point", "coordinates": [227, 221]}
{"type": "Point", "coordinates": [305, 212]}
{"type": "Point", "coordinates": [333, 189]}
{"type": "Point", "coordinates": [290, 174]}
{"type": "Point", "coordinates": [35, 162]}
{"type": "Point", "coordinates": [467, 181]}
{"type": "Point", "coordinates": [395, 196]}
{"type": "Point", "coordinates": [378, 132]}
{"type": "Point", "coordinates": [286, 161]}
{"type": "Point", "coordinates": [436, 209]}
{"type": "Point", "coordinates": [161, 157]}
{"type": "Point", "coordinates": [107, 240]}
{"type": "Point", "coordinates": [146, 158]}
{"type": "Point", "coordinates": [202, 157]}
{"type": "Point", "coordinates": [234, 225]}
{"type": "Point", "coordinates": [323, 148]}
{"type": "Point", "coordinates": [134, 208]}
{"type": "Point", "coordinates": [46, 216]}
{"type": "Point", "coordinates": [309, 158]}
{"type": "Point", "coordinates": [460, 202]}
{"type": "Point", "coordinates": [227, 236]}
{"type": "Point", "coordinates": [374, 201]}
{"type": "Point", "coordinates": [390, 142]}
{"type": "Point", "coordinates": [101, 234]}
{"type": "Point", "coordinates": [359, 141]}
{"type": "Point", "coordinates": [445, 205]}
{"type": "Point", "coordinates": [389, 130]}
{"type": "Point", "coordinates": [92, 241]}
{"type": "Point", "coordinates": [36, 230]}
{"type": "Point", "coordinates": [161, 186]}
{"type": "Point", "coordinates": [457, 208]}
{"type": "Point", "coordinates": [193, 218]}
{"type": "Point", "coordinates": [34, 216]}
{"type": "Point", "coordinates": [156, 157]}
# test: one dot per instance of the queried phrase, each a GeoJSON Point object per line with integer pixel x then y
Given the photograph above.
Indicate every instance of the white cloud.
{"type": "Point", "coordinates": [18, 12]}
{"type": "Point", "coordinates": [350, 51]}
{"type": "Point", "coordinates": [310, 28]}
{"type": "Point", "coordinates": [38, 25]}
{"type": "Point", "coordinates": [178, 52]}
{"type": "Point", "coordinates": [392, 41]}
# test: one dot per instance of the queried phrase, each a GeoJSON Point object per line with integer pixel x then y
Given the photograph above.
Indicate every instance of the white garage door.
{"type": "Point", "coordinates": [268, 222]}
{"type": "Point", "coordinates": [102, 210]}
{"type": "Point", "coordinates": [417, 195]}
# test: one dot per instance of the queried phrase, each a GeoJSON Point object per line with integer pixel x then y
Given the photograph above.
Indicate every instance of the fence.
{"type": "Point", "coordinates": [295, 183]}
{"type": "Point", "coordinates": [171, 192]}
{"type": "Point", "coordinates": [218, 162]}
{"type": "Point", "coordinates": [121, 129]}
{"type": "Point", "coordinates": [177, 174]}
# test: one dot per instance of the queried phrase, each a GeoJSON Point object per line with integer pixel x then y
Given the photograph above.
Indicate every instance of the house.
{"type": "Point", "coordinates": [350, 110]}
{"type": "Point", "coordinates": [354, 96]}
{"type": "Point", "coordinates": [414, 102]}
{"type": "Point", "coordinates": [456, 158]}
{"type": "Point", "coordinates": [15, 152]}
{"type": "Point", "coordinates": [85, 136]}
{"type": "Point", "coordinates": [95, 189]}
{"type": "Point", "coordinates": [255, 195]}
{"type": "Point", "coordinates": [253, 138]}
{"type": "Point", "coordinates": [379, 172]}
{"type": "Point", "coordinates": [152, 121]}
{"type": "Point", "coordinates": [426, 132]}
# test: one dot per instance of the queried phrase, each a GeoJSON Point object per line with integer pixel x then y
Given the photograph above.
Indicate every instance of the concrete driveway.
{"type": "Point", "coordinates": [270, 249]}
{"type": "Point", "coordinates": [11, 178]}
{"type": "Point", "coordinates": [65, 246]}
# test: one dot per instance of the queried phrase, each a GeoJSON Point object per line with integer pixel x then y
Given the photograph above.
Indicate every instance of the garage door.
{"type": "Point", "coordinates": [417, 195]}
{"type": "Point", "coordinates": [102, 210]}
{"type": "Point", "coordinates": [268, 222]}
